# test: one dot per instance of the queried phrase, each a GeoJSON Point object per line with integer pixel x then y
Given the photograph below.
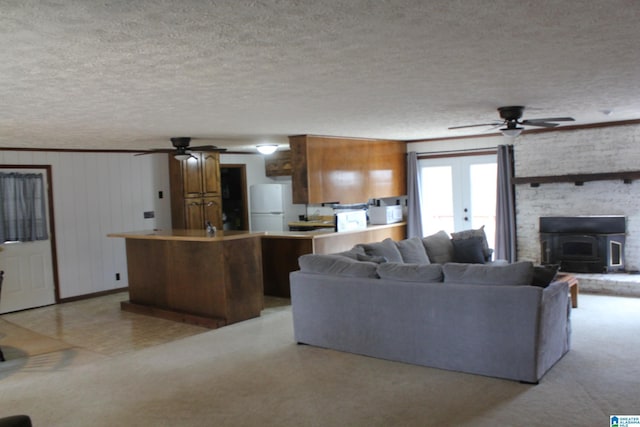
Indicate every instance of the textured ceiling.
{"type": "Point", "coordinates": [130, 74]}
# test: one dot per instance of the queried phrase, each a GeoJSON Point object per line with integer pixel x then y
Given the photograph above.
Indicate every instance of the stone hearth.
{"type": "Point", "coordinates": [623, 284]}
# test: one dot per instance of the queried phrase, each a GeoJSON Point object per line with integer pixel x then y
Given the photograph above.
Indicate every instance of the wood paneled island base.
{"type": "Point", "coordinates": [188, 276]}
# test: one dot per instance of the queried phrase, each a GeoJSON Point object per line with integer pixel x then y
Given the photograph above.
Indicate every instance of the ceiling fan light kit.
{"type": "Point", "coordinates": [266, 148]}
{"type": "Point", "coordinates": [511, 132]}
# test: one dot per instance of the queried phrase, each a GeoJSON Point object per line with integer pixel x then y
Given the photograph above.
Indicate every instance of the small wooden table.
{"type": "Point", "coordinates": [573, 287]}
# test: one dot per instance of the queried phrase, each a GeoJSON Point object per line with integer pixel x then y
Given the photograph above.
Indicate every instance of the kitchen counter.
{"type": "Point", "coordinates": [186, 235]}
{"type": "Point", "coordinates": [192, 277]}
{"type": "Point", "coordinates": [281, 250]}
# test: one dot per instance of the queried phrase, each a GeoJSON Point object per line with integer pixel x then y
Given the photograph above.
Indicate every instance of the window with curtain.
{"type": "Point", "coordinates": [23, 215]}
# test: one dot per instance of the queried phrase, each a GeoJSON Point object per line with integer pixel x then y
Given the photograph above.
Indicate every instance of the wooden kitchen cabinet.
{"type": "Point", "coordinates": [346, 170]}
{"type": "Point", "coordinates": [278, 164]}
{"type": "Point", "coordinates": [195, 191]}
{"type": "Point", "coordinates": [201, 175]}
{"type": "Point", "coordinates": [199, 211]}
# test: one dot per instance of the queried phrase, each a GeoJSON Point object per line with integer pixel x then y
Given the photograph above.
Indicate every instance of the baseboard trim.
{"type": "Point", "coordinates": [93, 295]}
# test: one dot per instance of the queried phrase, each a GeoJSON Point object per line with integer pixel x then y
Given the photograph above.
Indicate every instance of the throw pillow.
{"type": "Point", "coordinates": [543, 275]}
{"type": "Point", "coordinates": [387, 249]}
{"type": "Point", "coordinates": [468, 234]}
{"type": "Point", "coordinates": [439, 247]}
{"type": "Point", "coordinates": [425, 273]}
{"type": "Point", "coordinates": [412, 251]}
{"type": "Point", "coordinates": [468, 251]}
{"type": "Point", "coordinates": [516, 274]}
{"type": "Point", "coordinates": [336, 265]}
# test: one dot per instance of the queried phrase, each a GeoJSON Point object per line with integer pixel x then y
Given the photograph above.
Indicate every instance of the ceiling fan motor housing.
{"type": "Point", "coordinates": [181, 141]}
{"type": "Point", "coordinates": [511, 113]}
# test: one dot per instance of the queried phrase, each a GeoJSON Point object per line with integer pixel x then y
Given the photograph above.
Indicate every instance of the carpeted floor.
{"type": "Point", "coordinates": [253, 374]}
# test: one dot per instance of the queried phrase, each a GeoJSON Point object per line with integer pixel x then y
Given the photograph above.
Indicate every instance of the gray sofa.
{"type": "Point", "coordinates": [488, 319]}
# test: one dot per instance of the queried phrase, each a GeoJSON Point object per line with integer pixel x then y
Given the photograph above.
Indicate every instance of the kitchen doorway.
{"type": "Point", "coordinates": [233, 185]}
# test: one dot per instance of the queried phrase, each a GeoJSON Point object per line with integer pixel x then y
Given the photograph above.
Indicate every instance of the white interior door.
{"type": "Point", "coordinates": [28, 268]}
{"type": "Point", "coordinates": [459, 193]}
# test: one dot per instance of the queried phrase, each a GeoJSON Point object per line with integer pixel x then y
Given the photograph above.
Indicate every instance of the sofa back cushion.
{"type": "Point", "coordinates": [425, 273]}
{"type": "Point", "coordinates": [386, 249]}
{"type": "Point", "coordinates": [412, 251]}
{"type": "Point", "coordinates": [337, 265]}
{"type": "Point", "coordinates": [439, 247]}
{"type": "Point", "coordinates": [516, 274]}
{"type": "Point", "coordinates": [353, 253]}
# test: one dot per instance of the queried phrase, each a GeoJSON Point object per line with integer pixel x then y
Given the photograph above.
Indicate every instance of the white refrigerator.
{"type": "Point", "coordinates": [271, 207]}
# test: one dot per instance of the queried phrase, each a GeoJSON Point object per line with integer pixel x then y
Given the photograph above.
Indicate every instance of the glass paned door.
{"type": "Point", "coordinates": [459, 193]}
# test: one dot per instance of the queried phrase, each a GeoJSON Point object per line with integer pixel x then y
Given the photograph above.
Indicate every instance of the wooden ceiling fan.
{"type": "Point", "coordinates": [511, 118]}
{"type": "Point", "coordinates": [182, 150]}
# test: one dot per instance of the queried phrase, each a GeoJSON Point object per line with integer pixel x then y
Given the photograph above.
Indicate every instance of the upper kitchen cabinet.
{"type": "Point", "coordinates": [201, 175]}
{"type": "Point", "coordinates": [278, 164]}
{"type": "Point", "coordinates": [346, 170]}
{"type": "Point", "coordinates": [195, 190]}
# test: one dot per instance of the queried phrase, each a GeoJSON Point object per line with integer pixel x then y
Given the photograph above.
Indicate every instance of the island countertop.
{"type": "Point", "coordinates": [186, 235]}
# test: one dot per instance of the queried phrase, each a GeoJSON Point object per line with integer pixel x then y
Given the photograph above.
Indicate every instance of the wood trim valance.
{"type": "Point", "coordinates": [578, 179]}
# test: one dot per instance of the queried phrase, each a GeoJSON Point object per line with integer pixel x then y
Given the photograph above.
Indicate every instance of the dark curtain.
{"type": "Point", "coordinates": [414, 212]}
{"type": "Point", "coordinates": [505, 244]}
{"type": "Point", "coordinates": [23, 215]}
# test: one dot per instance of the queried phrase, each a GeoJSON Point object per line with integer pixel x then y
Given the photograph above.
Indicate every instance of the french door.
{"type": "Point", "coordinates": [459, 193]}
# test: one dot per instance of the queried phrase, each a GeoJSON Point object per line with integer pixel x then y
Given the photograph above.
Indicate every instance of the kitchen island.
{"type": "Point", "coordinates": [193, 277]}
{"type": "Point", "coordinates": [281, 250]}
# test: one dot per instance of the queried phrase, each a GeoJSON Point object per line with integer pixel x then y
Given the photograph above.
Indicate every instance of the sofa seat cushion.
{"type": "Point", "coordinates": [337, 265]}
{"type": "Point", "coordinates": [516, 274]}
{"type": "Point", "coordinates": [412, 251]}
{"type": "Point", "coordinates": [439, 247]}
{"type": "Point", "coordinates": [386, 249]}
{"type": "Point", "coordinates": [425, 273]}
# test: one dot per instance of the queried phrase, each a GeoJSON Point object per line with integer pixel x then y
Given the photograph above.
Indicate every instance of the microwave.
{"type": "Point", "coordinates": [385, 214]}
{"type": "Point", "coordinates": [350, 220]}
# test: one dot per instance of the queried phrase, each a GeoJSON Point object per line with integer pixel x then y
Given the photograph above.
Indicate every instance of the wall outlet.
{"type": "Point", "coordinates": [160, 194]}
{"type": "Point", "coordinates": [117, 276]}
{"type": "Point", "coordinates": [149, 214]}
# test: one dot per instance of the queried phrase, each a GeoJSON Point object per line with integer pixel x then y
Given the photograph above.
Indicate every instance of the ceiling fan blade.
{"type": "Point", "coordinates": [472, 126]}
{"type": "Point", "coordinates": [154, 151]}
{"type": "Point", "coordinates": [553, 119]}
{"type": "Point", "coordinates": [496, 126]}
{"type": "Point", "coordinates": [207, 148]}
{"type": "Point", "coordinates": [537, 123]}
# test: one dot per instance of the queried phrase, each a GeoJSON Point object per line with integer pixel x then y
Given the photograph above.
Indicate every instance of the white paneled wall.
{"type": "Point", "coordinates": [95, 194]}
{"type": "Point", "coordinates": [611, 149]}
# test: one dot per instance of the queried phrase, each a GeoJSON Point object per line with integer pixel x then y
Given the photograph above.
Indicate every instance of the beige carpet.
{"type": "Point", "coordinates": [253, 374]}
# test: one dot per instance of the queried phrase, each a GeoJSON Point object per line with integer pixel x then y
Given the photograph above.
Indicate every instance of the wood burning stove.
{"type": "Point", "coordinates": [583, 244]}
